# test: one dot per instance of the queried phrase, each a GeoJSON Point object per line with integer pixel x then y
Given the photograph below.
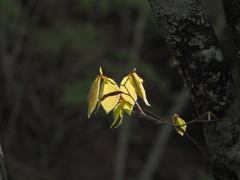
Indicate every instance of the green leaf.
{"type": "Point", "coordinates": [93, 94]}
{"type": "Point", "coordinates": [127, 107]}
{"type": "Point", "coordinates": [117, 112]}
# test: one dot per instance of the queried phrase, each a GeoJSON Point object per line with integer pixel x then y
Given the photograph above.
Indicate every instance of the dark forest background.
{"type": "Point", "coordinates": [50, 52]}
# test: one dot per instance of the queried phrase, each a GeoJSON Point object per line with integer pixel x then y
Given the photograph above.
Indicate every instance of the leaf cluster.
{"type": "Point", "coordinates": [118, 98]}
{"type": "Point", "coordinates": [123, 98]}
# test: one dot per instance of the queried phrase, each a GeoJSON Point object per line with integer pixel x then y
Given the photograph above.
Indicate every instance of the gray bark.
{"type": "Point", "coordinates": [190, 36]}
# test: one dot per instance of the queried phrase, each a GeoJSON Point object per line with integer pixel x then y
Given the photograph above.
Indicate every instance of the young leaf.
{"type": "Point", "coordinates": [179, 122]}
{"type": "Point", "coordinates": [129, 94]}
{"type": "Point", "coordinates": [137, 83]}
{"type": "Point", "coordinates": [126, 106]}
{"type": "Point", "coordinates": [119, 111]}
{"type": "Point", "coordinates": [93, 94]}
{"type": "Point", "coordinates": [210, 114]}
{"type": "Point", "coordinates": [109, 86]}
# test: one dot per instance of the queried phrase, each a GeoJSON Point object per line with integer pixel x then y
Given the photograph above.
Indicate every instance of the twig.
{"type": "Point", "coordinates": [152, 119]}
{"type": "Point", "coordinates": [159, 120]}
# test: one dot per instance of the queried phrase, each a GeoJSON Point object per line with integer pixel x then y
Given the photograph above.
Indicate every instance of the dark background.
{"type": "Point", "coordinates": [50, 52]}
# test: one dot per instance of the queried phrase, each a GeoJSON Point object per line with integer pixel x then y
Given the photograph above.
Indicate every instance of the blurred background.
{"type": "Point", "coordinates": [50, 52]}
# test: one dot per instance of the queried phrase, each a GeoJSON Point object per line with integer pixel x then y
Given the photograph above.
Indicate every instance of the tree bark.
{"type": "Point", "coordinates": [190, 36]}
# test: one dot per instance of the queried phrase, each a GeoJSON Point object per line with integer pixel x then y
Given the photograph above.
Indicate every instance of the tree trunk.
{"type": "Point", "coordinates": [3, 172]}
{"type": "Point", "coordinates": [191, 38]}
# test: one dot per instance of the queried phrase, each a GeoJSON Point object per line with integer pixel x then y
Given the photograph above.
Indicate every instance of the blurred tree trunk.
{"type": "Point", "coordinates": [190, 36]}
{"type": "Point", "coordinates": [232, 12]}
{"type": "Point", "coordinates": [3, 172]}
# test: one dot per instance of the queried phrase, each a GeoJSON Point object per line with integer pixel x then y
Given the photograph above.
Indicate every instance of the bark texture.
{"type": "Point", "coordinates": [191, 38]}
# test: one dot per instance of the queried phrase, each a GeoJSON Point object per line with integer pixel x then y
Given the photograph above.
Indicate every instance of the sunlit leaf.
{"type": "Point", "coordinates": [127, 106]}
{"type": "Point", "coordinates": [119, 111]}
{"type": "Point", "coordinates": [109, 86]}
{"type": "Point", "coordinates": [179, 122]}
{"type": "Point", "coordinates": [93, 94]}
{"type": "Point", "coordinates": [137, 83]}
{"type": "Point", "coordinates": [127, 87]}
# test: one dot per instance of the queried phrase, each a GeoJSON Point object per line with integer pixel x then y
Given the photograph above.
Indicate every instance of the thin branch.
{"type": "Point", "coordinates": [160, 120]}
{"type": "Point", "coordinates": [152, 119]}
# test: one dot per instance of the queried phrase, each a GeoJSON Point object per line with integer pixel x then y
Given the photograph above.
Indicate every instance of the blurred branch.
{"type": "Point", "coordinates": [8, 58]}
{"type": "Point", "coordinates": [232, 14]}
{"type": "Point", "coordinates": [119, 170]}
{"type": "Point", "coordinates": [51, 130]}
{"type": "Point", "coordinates": [138, 35]}
{"type": "Point", "coordinates": [162, 138]}
{"type": "Point", "coordinates": [16, 76]}
{"type": "Point", "coordinates": [23, 22]}
{"type": "Point", "coordinates": [15, 111]}
{"type": "Point", "coordinates": [139, 27]}
{"type": "Point", "coordinates": [14, 84]}
{"type": "Point", "coordinates": [3, 172]}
